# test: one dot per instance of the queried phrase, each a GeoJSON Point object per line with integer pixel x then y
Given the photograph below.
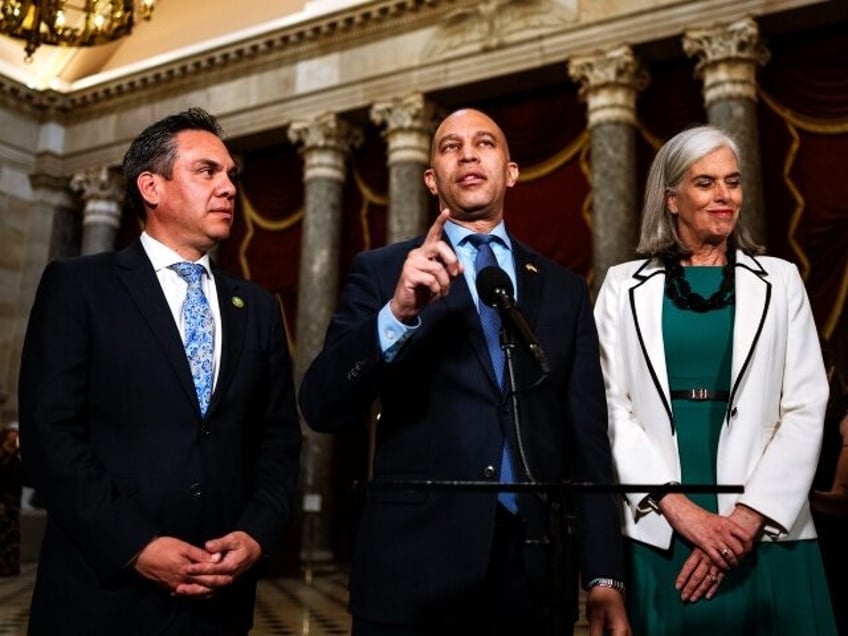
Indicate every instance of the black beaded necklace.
{"type": "Point", "coordinates": [680, 293]}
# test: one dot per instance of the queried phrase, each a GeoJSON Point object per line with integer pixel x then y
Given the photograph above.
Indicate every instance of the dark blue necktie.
{"type": "Point", "coordinates": [490, 320]}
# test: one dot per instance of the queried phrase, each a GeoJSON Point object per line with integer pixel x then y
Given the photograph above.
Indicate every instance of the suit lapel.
{"type": "Point", "coordinates": [529, 276]}
{"type": "Point", "coordinates": [646, 306]}
{"type": "Point", "coordinates": [752, 298]}
{"type": "Point", "coordinates": [234, 311]}
{"type": "Point", "coordinates": [136, 274]}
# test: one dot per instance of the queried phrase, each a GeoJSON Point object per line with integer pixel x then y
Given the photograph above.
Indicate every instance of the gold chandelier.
{"type": "Point", "coordinates": [65, 23]}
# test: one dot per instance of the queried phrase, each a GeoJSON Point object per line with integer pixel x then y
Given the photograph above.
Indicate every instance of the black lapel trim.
{"type": "Point", "coordinates": [762, 273]}
{"type": "Point", "coordinates": [651, 370]}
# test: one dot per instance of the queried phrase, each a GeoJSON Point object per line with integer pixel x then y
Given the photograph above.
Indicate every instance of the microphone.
{"type": "Point", "coordinates": [495, 289]}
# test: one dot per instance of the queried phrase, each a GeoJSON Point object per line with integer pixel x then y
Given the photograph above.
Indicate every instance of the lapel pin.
{"type": "Point", "coordinates": [531, 268]}
{"type": "Point", "coordinates": [237, 302]}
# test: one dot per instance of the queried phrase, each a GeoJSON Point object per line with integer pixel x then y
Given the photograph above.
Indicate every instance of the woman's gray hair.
{"type": "Point", "coordinates": [658, 234]}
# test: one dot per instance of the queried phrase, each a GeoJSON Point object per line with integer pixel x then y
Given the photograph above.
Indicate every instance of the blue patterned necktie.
{"type": "Point", "coordinates": [490, 320]}
{"type": "Point", "coordinates": [199, 326]}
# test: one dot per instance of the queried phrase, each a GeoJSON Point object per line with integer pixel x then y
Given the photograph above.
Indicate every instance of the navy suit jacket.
{"type": "Point", "coordinates": [112, 436]}
{"type": "Point", "coordinates": [419, 555]}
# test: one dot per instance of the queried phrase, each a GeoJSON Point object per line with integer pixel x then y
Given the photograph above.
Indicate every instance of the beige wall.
{"type": "Point", "coordinates": [21, 232]}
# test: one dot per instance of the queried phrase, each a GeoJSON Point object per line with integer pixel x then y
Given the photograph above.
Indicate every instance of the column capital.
{"type": "Point", "coordinates": [325, 142]}
{"type": "Point", "coordinates": [609, 82]}
{"type": "Point", "coordinates": [99, 182]}
{"type": "Point", "coordinates": [728, 57]}
{"type": "Point", "coordinates": [101, 189]}
{"type": "Point", "coordinates": [412, 111]}
{"type": "Point", "coordinates": [408, 124]}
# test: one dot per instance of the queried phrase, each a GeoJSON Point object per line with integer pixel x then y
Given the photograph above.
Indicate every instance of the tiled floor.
{"type": "Point", "coordinates": [14, 600]}
{"type": "Point", "coordinates": [284, 607]}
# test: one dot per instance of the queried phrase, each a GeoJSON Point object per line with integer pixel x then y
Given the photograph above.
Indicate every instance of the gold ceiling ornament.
{"type": "Point", "coordinates": [67, 23]}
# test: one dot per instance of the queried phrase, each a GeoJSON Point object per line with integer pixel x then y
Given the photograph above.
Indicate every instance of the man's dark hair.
{"type": "Point", "coordinates": [155, 150]}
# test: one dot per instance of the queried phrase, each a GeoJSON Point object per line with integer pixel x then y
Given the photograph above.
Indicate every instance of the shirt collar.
{"type": "Point", "coordinates": [458, 233]}
{"type": "Point", "coordinates": [161, 256]}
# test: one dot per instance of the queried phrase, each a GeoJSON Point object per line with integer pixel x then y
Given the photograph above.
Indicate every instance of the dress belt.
{"type": "Point", "coordinates": [699, 395]}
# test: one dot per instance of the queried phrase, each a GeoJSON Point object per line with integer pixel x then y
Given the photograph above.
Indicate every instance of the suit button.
{"type": "Point", "coordinates": [204, 431]}
{"type": "Point", "coordinates": [356, 369]}
{"type": "Point", "coordinates": [195, 489]}
{"type": "Point", "coordinates": [489, 472]}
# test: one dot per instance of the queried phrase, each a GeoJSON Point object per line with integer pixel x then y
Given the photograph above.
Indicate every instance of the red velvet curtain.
{"type": "Point", "coordinates": [803, 114]}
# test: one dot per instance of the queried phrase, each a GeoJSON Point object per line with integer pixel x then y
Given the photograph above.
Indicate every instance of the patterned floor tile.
{"type": "Point", "coordinates": [284, 607]}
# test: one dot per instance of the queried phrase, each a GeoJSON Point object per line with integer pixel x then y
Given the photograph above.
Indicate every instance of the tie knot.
{"type": "Point", "coordinates": [189, 272]}
{"type": "Point", "coordinates": [485, 255]}
{"type": "Point", "coordinates": [482, 239]}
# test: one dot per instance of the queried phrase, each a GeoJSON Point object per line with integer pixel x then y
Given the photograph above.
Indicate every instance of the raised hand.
{"type": "Point", "coordinates": [427, 273]}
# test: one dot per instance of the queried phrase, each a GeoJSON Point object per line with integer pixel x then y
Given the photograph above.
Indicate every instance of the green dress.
{"type": "Point", "coordinates": [779, 588]}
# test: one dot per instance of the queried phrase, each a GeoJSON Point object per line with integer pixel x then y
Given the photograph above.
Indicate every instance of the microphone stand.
{"type": "Point", "coordinates": [507, 340]}
{"type": "Point", "coordinates": [559, 537]}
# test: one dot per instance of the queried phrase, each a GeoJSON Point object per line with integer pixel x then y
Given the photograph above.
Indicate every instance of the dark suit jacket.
{"type": "Point", "coordinates": [422, 555]}
{"type": "Point", "coordinates": [111, 434]}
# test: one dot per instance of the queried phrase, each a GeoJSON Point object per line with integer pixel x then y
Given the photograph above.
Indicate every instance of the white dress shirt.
{"type": "Point", "coordinates": [175, 288]}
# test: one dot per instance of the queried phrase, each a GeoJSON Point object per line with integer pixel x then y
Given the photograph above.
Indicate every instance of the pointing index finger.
{"type": "Point", "coordinates": [434, 234]}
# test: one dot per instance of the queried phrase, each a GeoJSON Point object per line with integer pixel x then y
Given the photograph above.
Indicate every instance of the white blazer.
{"type": "Point", "coordinates": [772, 432]}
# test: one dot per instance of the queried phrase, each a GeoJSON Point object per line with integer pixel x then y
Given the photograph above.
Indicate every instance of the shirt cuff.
{"type": "Point", "coordinates": [392, 333]}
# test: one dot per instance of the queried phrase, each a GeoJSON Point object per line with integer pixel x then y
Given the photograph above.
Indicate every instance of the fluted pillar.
{"type": "Point", "coordinates": [408, 121]}
{"type": "Point", "coordinates": [728, 57]}
{"type": "Point", "coordinates": [325, 143]}
{"type": "Point", "coordinates": [609, 83]}
{"type": "Point", "coordinates": [102, 192]}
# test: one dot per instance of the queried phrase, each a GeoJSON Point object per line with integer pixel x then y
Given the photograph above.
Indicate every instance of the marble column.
{"type": "Point", "coordinates": [728, 57]}
{"type": "Point", "coordinates": [408, 121]}
{"type": "Point", "coordinates": [609, 83]}
{"type": "Point", "coordinates": [325, 143]}
{"type": "Point", "coordinates": [101, 190]}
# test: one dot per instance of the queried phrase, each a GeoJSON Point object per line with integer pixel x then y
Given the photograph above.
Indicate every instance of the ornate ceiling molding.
{"type": "Point", "coordinates": [491, 24]}
{"type": "Point", "coordinates": [323, 34]}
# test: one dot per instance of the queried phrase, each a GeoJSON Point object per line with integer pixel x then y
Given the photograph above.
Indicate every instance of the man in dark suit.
{"type": "Point", "coordinates": [407, 333]}
{"type": "Point", "coordinates": [167, 472]}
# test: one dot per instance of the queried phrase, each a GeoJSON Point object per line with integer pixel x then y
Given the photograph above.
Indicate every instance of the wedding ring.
{"type": "Point", "coordinates": [725, 553]}
{"type": "Point", "coordinates": [713, 578]}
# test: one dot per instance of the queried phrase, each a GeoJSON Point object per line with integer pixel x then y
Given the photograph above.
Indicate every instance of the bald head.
{"type": "Point", "coordinates": [463, 118]}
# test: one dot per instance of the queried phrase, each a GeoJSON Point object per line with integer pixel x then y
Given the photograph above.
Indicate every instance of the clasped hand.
{"type": "Point", "coordinates": [187, 570]}
{"type": "Point", "coordinates": [720, 543]}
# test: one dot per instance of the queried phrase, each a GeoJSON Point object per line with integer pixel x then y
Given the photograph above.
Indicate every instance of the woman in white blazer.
{"type": "Point", "coordinates": [714, 376]}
